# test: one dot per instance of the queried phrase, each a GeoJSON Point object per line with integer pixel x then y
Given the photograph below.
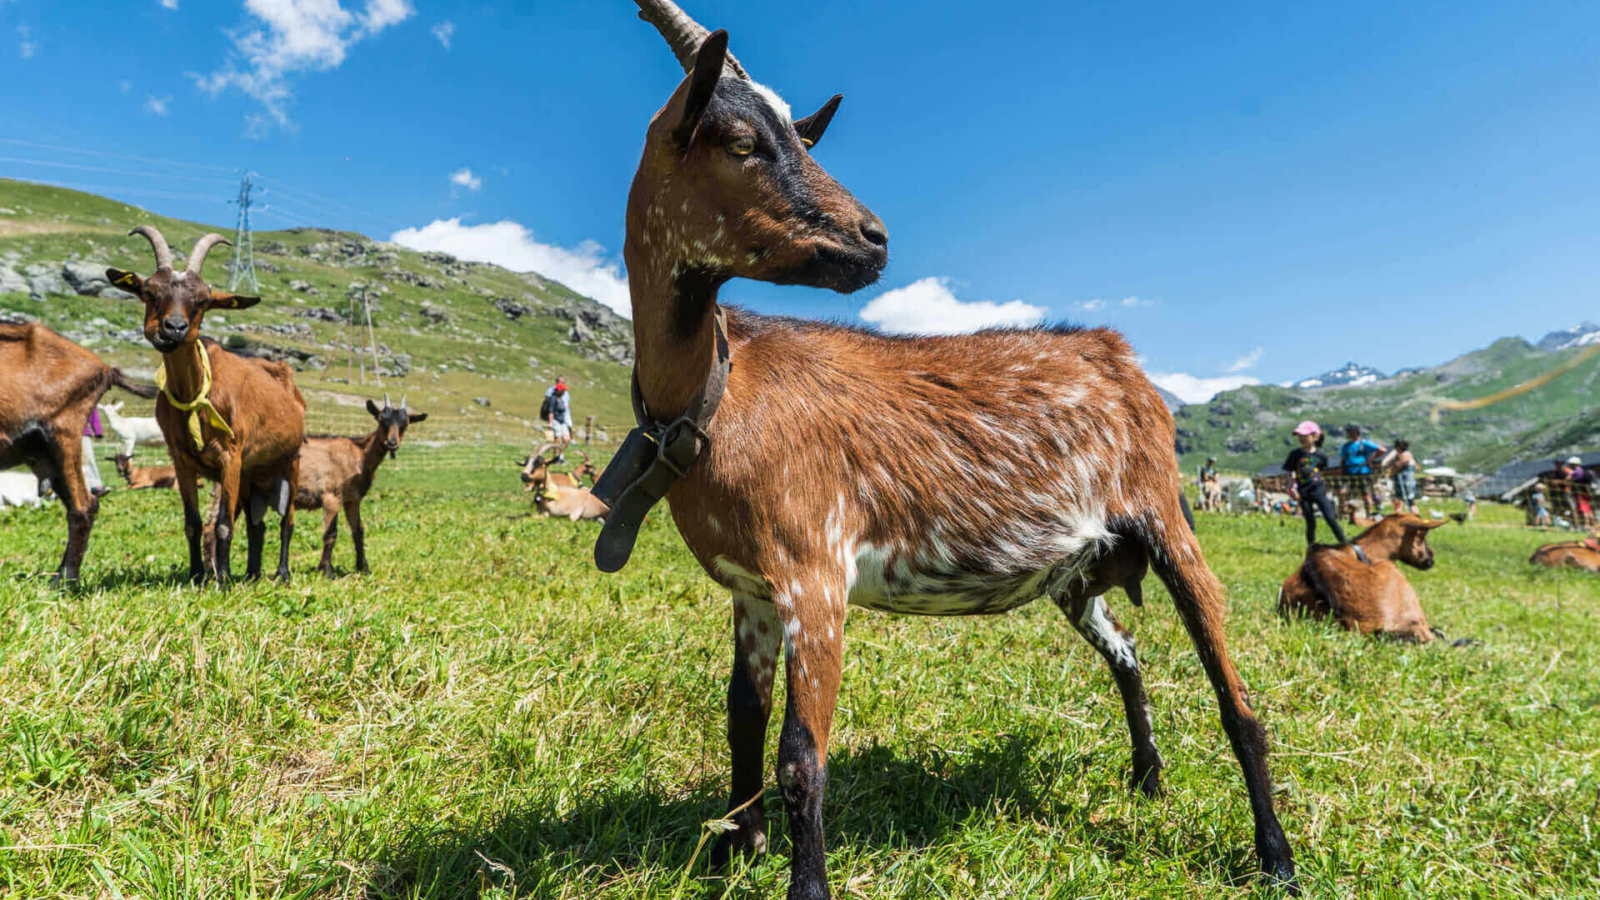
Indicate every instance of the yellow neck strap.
{"type": "Point", "coordinates": [201, 402]}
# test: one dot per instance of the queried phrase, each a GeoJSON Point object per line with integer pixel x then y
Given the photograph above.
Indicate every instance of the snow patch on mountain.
{"type": "Point", "coordinates": [1348, 375]}
{"type": "Point", "coordinates": [1577, 336]}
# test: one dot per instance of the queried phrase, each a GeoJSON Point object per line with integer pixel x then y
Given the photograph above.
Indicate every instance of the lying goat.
{"type": "Point", "coordinates": [1369, 599]}
{"type": "Point", "coordinates": [142, 477]}
{"type": "Point", "coordinates": [133, 430]}
{"type": "Point", "coordinates": [557, 499]}
{"type": "Point", "coordinates": [337, 472]}
{"type": "Point", "coordinates": [235, 420]}
{"type": "Point", "coordinates": [536, 460]}
{"type": "Point", "coordinates": [1583, 554]}
{"type": "Point", "coordinates": [19, 489]}
{"type": "Point", "coordinates": [48, 387]}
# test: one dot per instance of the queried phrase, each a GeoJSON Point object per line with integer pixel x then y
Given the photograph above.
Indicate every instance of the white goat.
{"type": "Point", "coordinates": [19, 487]}
{"type": "Point", "coordinates": [132, 429]}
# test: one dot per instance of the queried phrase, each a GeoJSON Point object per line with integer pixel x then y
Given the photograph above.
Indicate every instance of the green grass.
{"type": "Point", "coordinates": [486, 716]}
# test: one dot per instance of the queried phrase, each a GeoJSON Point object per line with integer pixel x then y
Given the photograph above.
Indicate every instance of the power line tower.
{"type": "Point", "coordinates": [243, 270]}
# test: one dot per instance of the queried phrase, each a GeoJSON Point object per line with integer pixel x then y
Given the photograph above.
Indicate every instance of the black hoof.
{"type": "Point", "coordinates": [1281, 872]}
{"type": "Point", "coordinates": [1146, 780]}
{"type": "Point", "coordinates": [747, 841]}
{"type": "Point", "coordinates": [282, 576]}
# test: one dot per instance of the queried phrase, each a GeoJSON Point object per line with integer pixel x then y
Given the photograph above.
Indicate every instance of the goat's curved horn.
{"type": "Point", "coordinates": [543, 448]}
{"type": "Point", "coordinates": [683, 34]}
{"type": "Point", "coordinates": [197, 256]}
{"type": "Point", "coordinates": [402, 401]}
{"type": "Point", "coordinates": [386, 403]}
{"type": "Point", "coordinates": [157, 242]}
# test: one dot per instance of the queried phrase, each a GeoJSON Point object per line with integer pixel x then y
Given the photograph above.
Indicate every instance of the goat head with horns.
{"type": "Point", "coordinates": [175, 301]}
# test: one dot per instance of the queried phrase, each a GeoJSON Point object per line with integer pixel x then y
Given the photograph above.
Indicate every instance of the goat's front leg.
{"type": "Point", "coordinates": [81, 506]}
{"type": "Point", "coordinates": [255, 530]}
{"type": "Point", "coordinates": [358, 534]}
{"type": "Point", "coordinates": [812, 610]}
{"type": "Point", "coordinates": [193, 525]}
{"type": "Point", "coordinates": [227, 515]}
{"type": "Point", "coordinates": [283, 492]}
{"type": "Point", "coordinates": [1094, 621]}
{"type": "Point", "coordinates": [757, 631]}
{"type": "Point", "coordinates": [330, 535]}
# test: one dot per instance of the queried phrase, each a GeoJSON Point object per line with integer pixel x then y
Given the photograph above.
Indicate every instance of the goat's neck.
{"type": "Point", "coordinates": [185, 374]}
{"type": "Point", "coordinates": [1380, 542]}
{"type": "Point", "coordinates": [673, 332]}
{"type": "Point", "coordinates": [371, 454]}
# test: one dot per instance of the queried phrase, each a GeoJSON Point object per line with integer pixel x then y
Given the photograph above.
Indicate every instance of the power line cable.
{"type": "Point", "coordinates": [80, 186]}
{"type": "Point", "coordinates": [143, 159]}
{"type": "Point", "coordinates": [62, 165]}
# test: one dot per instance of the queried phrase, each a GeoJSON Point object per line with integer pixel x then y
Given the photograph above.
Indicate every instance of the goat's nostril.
{"type": "Point", "coordinates": [872, 230]}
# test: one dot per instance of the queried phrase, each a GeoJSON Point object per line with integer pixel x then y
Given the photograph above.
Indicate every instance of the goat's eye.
{"type": "Point", "coordinates": [742, 146]}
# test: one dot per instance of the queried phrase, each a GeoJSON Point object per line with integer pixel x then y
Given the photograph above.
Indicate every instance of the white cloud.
{"type": "Point", "coordinates": [584, 268]}
{"type": "Point", "coordinates": [169, 4]}
{"type": "Point", "coordinates": [463, 177]}
{"type": "Point", "coordinates": [1248, 360]}
{"type": "Point", "coordinates": [1134, 303]}
{"type": "Point", "coordinates": [1094, 305]}
{"type": "Point", "coordinates": [1198, 389]}
{"type": "Point", "coordinates": [157, 105]}
{"type": "Point", "coordinates": [928, 307]}
{"type": "Point", "coordinates": [444, 31]}
{"type": "Point", "coordinates": [293, 36]}
{"type": "Point", "coordinates": [27, 47]}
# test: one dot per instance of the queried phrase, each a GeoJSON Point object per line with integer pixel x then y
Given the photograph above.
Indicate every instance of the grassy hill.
{"type": "Point", "coordinates": [1249, 427]}
{"type": "Point", "coordinates": [454, 335]}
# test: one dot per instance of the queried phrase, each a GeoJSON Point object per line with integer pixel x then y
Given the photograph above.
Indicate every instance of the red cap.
{"type": "Point", "coordinates": [560, 385]}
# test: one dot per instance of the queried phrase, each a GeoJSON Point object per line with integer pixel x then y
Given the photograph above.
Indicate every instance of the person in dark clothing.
{"type": "Point", "coordinates": [1306, 463]}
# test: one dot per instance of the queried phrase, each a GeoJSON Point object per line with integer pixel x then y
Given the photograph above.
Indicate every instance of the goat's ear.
{"type": "Point", "coordinates": [372, 408]}
{"type": "Point", "coordinates": [126, 281]}
{"type": "Point", "coordinates": [702, 84]}
{"type": "Point", "coordinates": [414, 418]}
{"type": "Point", "coordinates": [812, 126]}
{"type": "Point", "coordinates": [220, 300]}
{"type": "Point", "coordinates": [1435, 524]}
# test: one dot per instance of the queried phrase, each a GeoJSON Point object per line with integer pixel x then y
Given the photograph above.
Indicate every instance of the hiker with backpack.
{"type": "Point", "coordinates": [1306, 464]}
{"type": "Point", "coordinates": [557, 411]}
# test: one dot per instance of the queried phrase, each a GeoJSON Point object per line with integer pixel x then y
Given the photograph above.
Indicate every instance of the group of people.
{"type": "Point", "coordinates": [1576, 481]}
{"type": "Point", "coordinates": [1361, 460]}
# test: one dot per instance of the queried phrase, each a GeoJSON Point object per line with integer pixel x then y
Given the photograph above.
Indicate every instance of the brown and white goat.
{"type": "Point", "coordinates": [1583, 554]}
{"type": "Point", "coordinates": [336, 473]}
{"type": "Point", "coordinates": [48, 387]}
{"type": "Point", "coordinates": [537, 468]}
{"type": "Point", "coordinates": [1367, 599]}
{"type": "Point", "coordinates": [938, 475]}
{"type": "Point", "coordinates": [559, 494]}
{"type": "Point", "coordinates": [250, 446]}
{"type": "Point", "coordinates": [142, 477]}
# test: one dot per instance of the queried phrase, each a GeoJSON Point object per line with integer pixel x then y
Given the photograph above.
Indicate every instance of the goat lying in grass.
{"type": "Point", "coordinates": [141, 477]}
{"type": "Point", "coordinates": [575, 478]}
{"type": "Point", "coordinates": [1369, 599]}
{"type": "Point", "coordinates": [562, 498]}
{"type": "Point", "coordinates": [133, 430]}
{"type": "Point", "coordinates": [1583, 554]}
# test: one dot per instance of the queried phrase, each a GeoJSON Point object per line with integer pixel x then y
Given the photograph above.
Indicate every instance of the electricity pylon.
{"type": "Point", "coordinates": [243, 271]}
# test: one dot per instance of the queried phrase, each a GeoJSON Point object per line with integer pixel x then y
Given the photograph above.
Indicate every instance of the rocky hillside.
{"type": "Point", "coordinates": [1249, 427]}
{"type": "Point", "coordinates": [1576, 336]}
{"type": "Point", "coordinates": [472, 343]}
{"type": "Point", "coordinates": [1348, 374]}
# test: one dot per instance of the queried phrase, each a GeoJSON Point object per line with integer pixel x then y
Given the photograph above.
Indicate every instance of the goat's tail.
{"type": "Point", "coordinates": [137, 388]}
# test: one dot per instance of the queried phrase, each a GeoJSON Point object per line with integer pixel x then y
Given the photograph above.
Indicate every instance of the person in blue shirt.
{"type": "Point", "coordinates": [1356, 456]}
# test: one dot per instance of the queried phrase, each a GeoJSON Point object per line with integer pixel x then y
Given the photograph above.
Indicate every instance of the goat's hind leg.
{"type": "Point", "coordinates": [255, 532]}
{"type": "Point", "coordinates": [1089, 615]}
{"type": "Point", "coordinates": [283, 491]}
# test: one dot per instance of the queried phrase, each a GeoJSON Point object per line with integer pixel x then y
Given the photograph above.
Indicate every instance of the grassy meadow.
{"type": "Point", "coordinates": [486, 716]}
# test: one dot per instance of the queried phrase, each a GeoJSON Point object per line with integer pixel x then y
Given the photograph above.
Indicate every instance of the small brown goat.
{"type": "Point", "coordinates": [1583, 554]}
{"type": "Point", "coordinates": [48, 386]}
{"type": "Point", "coordinates": [536, 463]}
{"type": "Point", "coordinates": [142, 477]}
{"type": "Point", "coordinates": [337, 472]}
{"type": "Point", "coordinates": [237, 421]}
{"type": "Point", "coordinates": [959, 475]}
{"type": "Point", "coordinates": [559, 498]}
{"type": "Point", "coordinates": [1369, 599]}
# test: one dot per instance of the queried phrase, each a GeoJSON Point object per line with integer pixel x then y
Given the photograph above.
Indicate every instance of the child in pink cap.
{"type": "Point", "coordinates": [1306, 462]}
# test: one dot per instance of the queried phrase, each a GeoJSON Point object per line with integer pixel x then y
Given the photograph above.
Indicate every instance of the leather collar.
{"type": "Point", "coordinates": [654, 455]}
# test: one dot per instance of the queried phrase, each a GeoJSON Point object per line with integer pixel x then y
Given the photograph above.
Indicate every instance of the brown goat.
{"type": "Point", "coordinates": [142, 477]}
{"type": "Point", "coordinates": [536, 467]}
{"type": "Point", "coordinates": [1578, 554]}
{"type": "Point", "coordinates": [557, 494]}
{"type": "Point", "coordinates": [237, 421]}
{"type": "Point", "coordinates": [1368, 599]}
{"type": "Point", "coordinates": [337, 472]}
{"type": "Point", "coordinates": [948, 476]}
{"type": "Point", "coordinates": [48, 386]}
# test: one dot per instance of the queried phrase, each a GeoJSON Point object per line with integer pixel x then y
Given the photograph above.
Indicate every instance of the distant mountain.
{"type": "Point", "coordinates": [1576, 336]}
{"type": "Point", "coordinates": [1249, 427]}
{"type": "Point", "coordinates": [1169, 398]}
{"type": "Point", "coordinates": [1348, 375]}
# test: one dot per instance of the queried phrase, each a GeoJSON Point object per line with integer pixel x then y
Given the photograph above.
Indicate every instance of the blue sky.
{"type": "Point", "coordinates": [1247, 190]}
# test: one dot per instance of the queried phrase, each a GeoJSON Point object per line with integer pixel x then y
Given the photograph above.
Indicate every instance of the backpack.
{"type": "Point", "coordinates": [544, 408]}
